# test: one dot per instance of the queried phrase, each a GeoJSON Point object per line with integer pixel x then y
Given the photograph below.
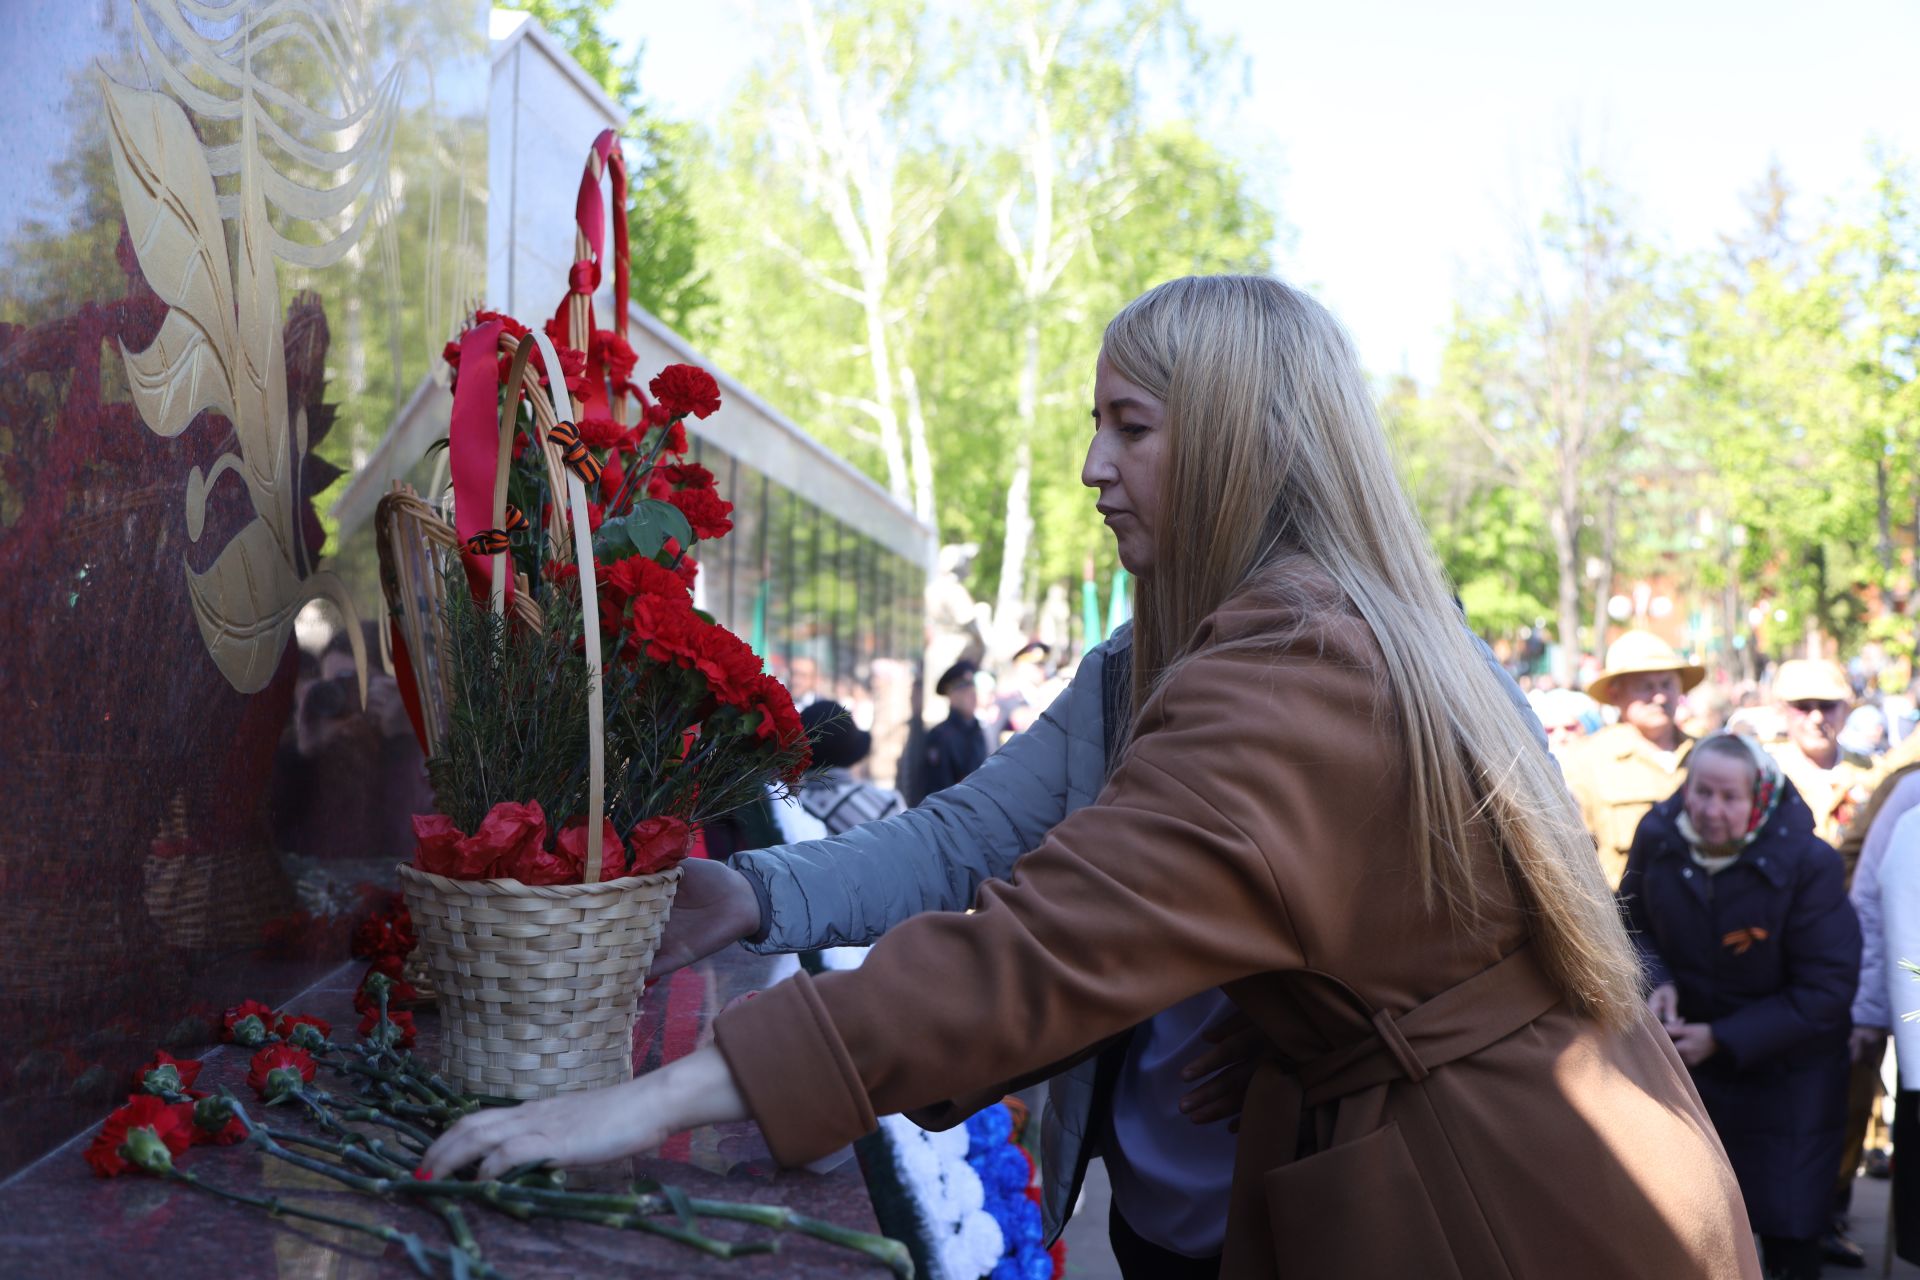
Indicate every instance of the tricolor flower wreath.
{"type": "Point", "coordinates": [974, 1188]}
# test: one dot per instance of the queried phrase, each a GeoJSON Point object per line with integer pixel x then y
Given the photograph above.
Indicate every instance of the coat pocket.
{"type": "Point", "coordinates": [1358, 1210]}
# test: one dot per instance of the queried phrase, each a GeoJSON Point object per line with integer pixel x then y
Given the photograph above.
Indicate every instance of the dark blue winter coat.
{"type": "Point", "coordinates": [1768, 953]}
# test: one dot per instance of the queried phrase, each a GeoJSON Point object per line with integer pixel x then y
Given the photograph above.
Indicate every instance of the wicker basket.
{"type": "Point", "coordinates": [538, 984]}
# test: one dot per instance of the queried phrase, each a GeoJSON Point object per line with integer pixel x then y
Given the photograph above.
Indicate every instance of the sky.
{"type": "Point", "coordinates": [1402, 142]}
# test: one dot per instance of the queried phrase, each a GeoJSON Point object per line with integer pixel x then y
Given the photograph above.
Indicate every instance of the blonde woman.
{"type": "Point", "coordinates": [1325, 807]}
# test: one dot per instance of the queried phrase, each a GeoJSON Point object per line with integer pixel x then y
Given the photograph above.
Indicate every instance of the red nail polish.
{"type": "Point", "coordinates": [423, 1174]}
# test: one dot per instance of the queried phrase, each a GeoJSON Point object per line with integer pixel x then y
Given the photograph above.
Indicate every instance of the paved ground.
{"type": "Point", "coordinates": [1088, 1257]}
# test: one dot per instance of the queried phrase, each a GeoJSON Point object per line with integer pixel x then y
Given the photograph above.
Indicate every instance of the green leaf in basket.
{"type": "Point", "coordinates": [641, 532]}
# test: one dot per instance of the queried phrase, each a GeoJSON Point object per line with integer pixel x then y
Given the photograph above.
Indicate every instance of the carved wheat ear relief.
{"type": "Point", "coordinates": [221, 345]}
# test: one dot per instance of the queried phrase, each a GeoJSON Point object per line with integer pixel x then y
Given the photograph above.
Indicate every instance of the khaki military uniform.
{"type": "Point", "coordinates": [1833, 794]}
{"type": "Point", "coordinates": [1886, 773]}
{"type": "Point", "coordinates": [1617, 775]}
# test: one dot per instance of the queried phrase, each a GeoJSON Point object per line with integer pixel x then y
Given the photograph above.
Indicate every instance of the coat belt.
{"type": "Point", "coordinates": [1457, 1023]}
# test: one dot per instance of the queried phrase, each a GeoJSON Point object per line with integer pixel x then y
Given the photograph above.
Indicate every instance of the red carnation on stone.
{"type": "Point", "coordinates": [167, 1074]}
{"type": "Point", "coordinates": [400, 993]}
{"type": "Point", "coordinates": [215, 1123]}
{"type": "Point", "coordinates": [247, 1023]}
{"type": "Point", "coordinates": [278, 1070]}
{"type": "Point", "coordinates": [403, 1028]}
{"type": "Point", "coordinates": [686, 389]}
{"type": "Point", "coordinates": [303, 1030]}
{"type": "Point", "coordinates": [146, 1133]}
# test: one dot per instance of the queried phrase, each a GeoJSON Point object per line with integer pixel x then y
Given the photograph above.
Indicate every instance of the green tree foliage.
{"type": "Point", "coordinates": [915, 240]}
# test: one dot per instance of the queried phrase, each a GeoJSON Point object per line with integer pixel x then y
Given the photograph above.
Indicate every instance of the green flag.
{"type": "Point", "coordinates": [1119, 609]}
{"type": "Point", "coordinates": [1090, 614]}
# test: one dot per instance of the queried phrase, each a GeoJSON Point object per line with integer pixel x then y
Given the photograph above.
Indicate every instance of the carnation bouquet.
{"type": "Point", "coordinates": [581, 717]}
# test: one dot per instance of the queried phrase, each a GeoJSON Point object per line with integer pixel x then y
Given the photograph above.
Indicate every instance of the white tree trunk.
{"type": "Point", "coordinates": [1009, 602]}
{"type": "Point", "coordinates": [919, 458]}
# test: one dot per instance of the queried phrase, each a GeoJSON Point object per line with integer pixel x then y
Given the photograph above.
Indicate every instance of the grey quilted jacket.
{"type": "Point", "coordinates": [849, 889]}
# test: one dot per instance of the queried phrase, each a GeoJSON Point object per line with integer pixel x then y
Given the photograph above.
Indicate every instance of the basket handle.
{"type": "Point", "coordinates": [589, 619]}
{"type": "Point", "coordinates": [503, 465]}
{"type": "Point", "coordinates": [605, 161]}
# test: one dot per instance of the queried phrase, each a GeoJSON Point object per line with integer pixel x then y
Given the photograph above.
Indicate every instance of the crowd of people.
{"type": "Point", "coordinates": [1761, 851]}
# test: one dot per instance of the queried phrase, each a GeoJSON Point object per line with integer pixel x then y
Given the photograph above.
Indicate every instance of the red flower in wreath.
{"type": "Point", "coordinates": [278, 1070]}
{"type": "Point", "coordinates": [686, 389]}
{"type": "Point", "coordinates": [247, 1023]}
{"type": "Point", "coordinates": [168, 1074]}
{"type": "Point", "coordinates": [146, 1133]}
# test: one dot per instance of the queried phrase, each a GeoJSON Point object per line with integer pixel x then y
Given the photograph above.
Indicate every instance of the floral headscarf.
{"type": "Point", "coordinates": [1767, 785]}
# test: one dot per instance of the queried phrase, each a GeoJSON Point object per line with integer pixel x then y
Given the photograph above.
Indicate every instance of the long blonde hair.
{"type": "Point", "coordinates": [1277, 452]}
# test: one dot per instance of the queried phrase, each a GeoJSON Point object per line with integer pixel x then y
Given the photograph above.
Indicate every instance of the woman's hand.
{"type": "Point", "coordinates": [1230, 1064]}
{"type": "Point", "coordinates": [595, 1126]}
{"type": "Point", "coordinates": [713, 908]}
{"type": "Point", "coordinates": [1664, 1001]}
{"type": "Point", "coordinates": [1694, 1042]}
{"type": "Point", "coordinates": [1865, 1042]}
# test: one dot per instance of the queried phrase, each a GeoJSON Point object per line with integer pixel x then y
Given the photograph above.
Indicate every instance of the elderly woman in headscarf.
{"type": "Point", "coordinates": [1740, 912]}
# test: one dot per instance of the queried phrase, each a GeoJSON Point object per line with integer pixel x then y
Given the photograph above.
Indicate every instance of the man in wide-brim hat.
{"type": "Point", "coordinates": [1628, 767]}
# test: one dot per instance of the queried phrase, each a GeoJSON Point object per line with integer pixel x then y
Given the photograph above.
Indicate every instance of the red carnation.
{"type": "Point", "coordinates": [634, 576]}
{"type": "Point", "coordinates": [401, 993]}
{"type": "Point", "coordinates": [146, 1133]}
{"type": "Point", "coordinates": [705, 510]}
{"type": "Point", "coordinates": [658, 844]}
{"type": "Point", "coordinates": [685, 567]}
{"type": "Point", "coordinates": [403, 1028]}
{"type": "Point", "coordinates": [612, 351]}
{"type": "Point", "coordinates": [686, 475]}
{"type": "Point", "coordinates": [686, 389]}
{"type": "Point", "coordinates": [601, 432]}
{"type": "Point", "coordinates": [247, 1023]}
{"type": "Point", "coordinates": [278, 1070]}
{"type": "Point", "coordinates": [508, 325]}
{"type": "Point", "coordinates": [215, 1123]}
{"type": "Point", "coordinates": [387, 932]}
{"type": "Point", "coordinates": [167, 1074]}
{"type": "Point", "coordinates": [289, 1029]}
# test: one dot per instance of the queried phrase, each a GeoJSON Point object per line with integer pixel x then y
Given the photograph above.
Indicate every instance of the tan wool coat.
{"type": "Point", "coordinates": [1431, 1106]}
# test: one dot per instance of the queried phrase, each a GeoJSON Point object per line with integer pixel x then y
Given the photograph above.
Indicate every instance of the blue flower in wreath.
{"type": "Point", "coordinates": [1031, 1263]}
{"type": "Point", "coordinates": [989, 1129]}
{"type": "Point", "coordinates": [1019, 1219]}
{"type": "Point", "coordinates": [1003, 1169]}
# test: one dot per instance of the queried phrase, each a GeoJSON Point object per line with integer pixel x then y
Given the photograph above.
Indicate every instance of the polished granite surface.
{"type": "Point", "coordinates": [57, 1218]}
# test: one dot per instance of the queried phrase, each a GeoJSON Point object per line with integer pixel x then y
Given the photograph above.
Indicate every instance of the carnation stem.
{"type": "Point", "coordinates": [684, 1235]}
{"type": "Point", "coordinates": [881, 1249]}
{"type": "Point", "coordinates": [418, 1252]}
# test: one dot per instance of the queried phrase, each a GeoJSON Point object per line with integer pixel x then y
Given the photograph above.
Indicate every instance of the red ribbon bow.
{"type": "Point", "coordinates": [584, 276]}
{"type": "Point", "coordinates": [566, 438]}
